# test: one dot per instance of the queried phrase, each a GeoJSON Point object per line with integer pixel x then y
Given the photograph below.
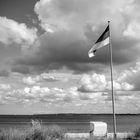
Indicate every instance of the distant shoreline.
{"type": "Point", "coordinates": [59, 114]}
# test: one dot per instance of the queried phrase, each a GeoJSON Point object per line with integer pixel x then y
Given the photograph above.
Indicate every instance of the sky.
{"type": "Point", "coordinates": [44, 63]}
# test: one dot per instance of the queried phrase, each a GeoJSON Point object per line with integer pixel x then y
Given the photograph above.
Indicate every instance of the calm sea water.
{"type": "Point", "coordinates": [73, 122]}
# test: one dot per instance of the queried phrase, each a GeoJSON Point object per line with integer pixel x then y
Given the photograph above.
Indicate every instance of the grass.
{"type": "Point", "coordinates": [37, 132]}
{"type": "Point", "coordinates": [134, 136]}
{"type": "Point", "coordinates": [40, 132]}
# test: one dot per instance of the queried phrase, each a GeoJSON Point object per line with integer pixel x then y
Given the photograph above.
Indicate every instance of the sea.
{"type": "Point", "coordinates": [73, 123]}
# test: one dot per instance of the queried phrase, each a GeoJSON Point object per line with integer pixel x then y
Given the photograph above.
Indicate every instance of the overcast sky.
{"type": "Point", "coordinates": [44, 64]}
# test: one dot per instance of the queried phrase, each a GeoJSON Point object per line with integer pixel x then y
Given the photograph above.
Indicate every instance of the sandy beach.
{"type": "Point", "coordinates": [87, 135]}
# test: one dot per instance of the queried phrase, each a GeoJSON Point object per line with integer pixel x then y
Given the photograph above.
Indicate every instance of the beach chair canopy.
{"type": "Point", "coordinates": [98, 129]}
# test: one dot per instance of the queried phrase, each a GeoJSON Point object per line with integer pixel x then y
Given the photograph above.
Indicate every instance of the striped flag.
{"type": "Point", "coordinates": [101, 42]}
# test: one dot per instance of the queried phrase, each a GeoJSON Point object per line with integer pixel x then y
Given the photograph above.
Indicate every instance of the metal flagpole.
{"type": "Point", "coordinates": [111, 69]}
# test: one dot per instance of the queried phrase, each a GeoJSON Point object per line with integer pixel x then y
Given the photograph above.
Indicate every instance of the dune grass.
{"type": "Point", "coordinates": [40, 132]}
{"type": "Point", "coordinates": [134, 136]}
{"type": "Point", "coordinates": [33, 133]}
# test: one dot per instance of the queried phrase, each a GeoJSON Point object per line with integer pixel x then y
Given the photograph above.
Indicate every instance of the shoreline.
{"type": "Point", "coordinates": [87, 135]}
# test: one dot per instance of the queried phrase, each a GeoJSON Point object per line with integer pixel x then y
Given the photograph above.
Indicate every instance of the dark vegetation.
{"type": "Point", "coordinates": [134, 136]}
{"type": "Point", "coordinates": [36, 132]}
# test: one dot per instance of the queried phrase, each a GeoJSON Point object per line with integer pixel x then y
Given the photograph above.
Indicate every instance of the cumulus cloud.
{"type": "Point", "coordinates": [98, 83]}
{"type": "Point", "coordinates": [53, 77]}
{"type": "Point", "coordinates": [66, 98]}
{"type": "Point", "coordinates": [40, 78]}
{"type": "Point", "coordinates": [61, 47]}
{"type": "Point", "coordinates": [131, 75]}
{"type": "Point", "coordinates": [5, 87]}
{"type": "Point", "coordinates": [72, 27]}
{"type": "Point", "coordinates": [133, 30]}
{"type": "Point", "coordinates": [76, 14]}
{"type": "Point", "coordinates": [48, 77]}
{"type": "Point", "coordinates": [95, 97]}
{"type": "Point", "coordinates": [94, 83]}
{"type": "Point", "coordinates": [14, 32]}
{"type": "Point", "coordinates": [38, 94]}
{"type": "Point", "coordinates": [29, 80]}
{"type": "Point", "coordinates": [45, 95]}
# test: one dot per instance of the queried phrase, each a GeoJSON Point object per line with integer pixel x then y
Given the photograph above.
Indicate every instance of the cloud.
{"type": "Point", "coordinates": [54, 77]}
{"type": "Point", "coordinates": [40, 78]}
{"type": "Point", "coordinates": [14, 32]}
{"type": "Point", "coordinates": [48, 77]}
{"type": "Point", "coordinates": [23, 69]}
{"type": "Point", "coordinates": [95, 97]}
{"type": "Point", "coordinates": [133, 30]}
{"type": "Point", "coordinates": [4, 90]}
{"type": "Point", "coordinates": [77, 13]}
{"type": "Point", "coordinates": [131, 75]}
{"type": "Point", "coordinates": [4, 73]}
{"type": "Point", "coordinates": [67, 98]}
{"type": "Point", "coordinates": [72, 27]}
{"type": "Point", "coordinates": [98, 83]}
{"type": "Point", "coordinates": [5, 87]}
{"type": "Point", "coordinates": [37, 94]}
{"type": "Point", "coordinates": [93, 83]}
{"type": "Point", "coordinates": [57, 50]}
{"type": "Point", "coordinates": [69, 49]}
{"type": "Point", "coordinates": [45, 95]}
{"type": "Point", "coordinates": [29, 80]}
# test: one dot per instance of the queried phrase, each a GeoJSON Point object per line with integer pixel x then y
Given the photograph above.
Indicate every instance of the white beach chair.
{"type": "Point", "coordinates": [98, 129]}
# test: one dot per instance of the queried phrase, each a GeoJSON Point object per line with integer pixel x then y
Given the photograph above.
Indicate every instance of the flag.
{"type": "Point", "coordinates": [102, 41]}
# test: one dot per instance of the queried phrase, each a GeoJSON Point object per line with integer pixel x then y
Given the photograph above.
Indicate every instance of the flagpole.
{"type": "Point", "coordinates": [111, 69]}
